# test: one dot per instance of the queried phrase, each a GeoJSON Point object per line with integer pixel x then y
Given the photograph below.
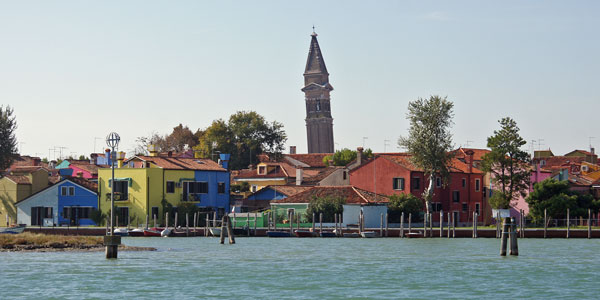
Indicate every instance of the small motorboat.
{"type": "Point", "coordinates": [153, 231]}
{"type": "Point", "coordinates": [121, 232]}
{"type": "Point", "coordinates": [136, 232]}
{"type": "Point", "coordinates": [305, 233]}
{"type": "Point", "coordinates": [276, 234]}
{"type": "Point", "coordinates": [351, 235]}
{"type": "Point", "coordinates": [369, 234]}
{"type": "Point", "coordinates": [166, 232]}
{"type": "Point", "coordinates": [12, 229]}
{"type": "Point", "coordinates": [216, 231]}
{"type": "Point", "coordinates": [414, 235]}
{"type": "Point", "coordinates": [328, 234]}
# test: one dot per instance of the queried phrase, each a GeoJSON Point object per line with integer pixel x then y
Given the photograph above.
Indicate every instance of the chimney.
{"type": "Point", "coordinates": [108, 157]}
{"type": "Point", "coordinates": [120, 158]}
{"type": "Point", "coordinates": [152, 150]}
{"type": "Point", "coordinates": [470, 153]}
{"type": "Point", "coordinates": [170, 153]}
{"type": "Point", "coordinates": [299, 174]}
{"type": "Point", "coordinates": [224, 160]}
{"type": "Point", "coordinates": [93, 159]}
{"type": "Point", "coordinates": [359, 155]}
{"type": "Point", "coordinates": [292, 149]}
{"type": "Point", "coordinates": [37, 161]}
{"type": "Point", "coordinates": [592, 150]}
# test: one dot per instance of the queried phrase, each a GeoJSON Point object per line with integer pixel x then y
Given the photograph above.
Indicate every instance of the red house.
{"type": "Point", "coordinates": [393, 173]}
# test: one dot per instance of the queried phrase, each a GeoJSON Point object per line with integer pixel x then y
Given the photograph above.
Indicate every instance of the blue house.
{"type": "Point", "coordinates": [262, 198]}
{"type": "Point", "coordinates": [68, 202]}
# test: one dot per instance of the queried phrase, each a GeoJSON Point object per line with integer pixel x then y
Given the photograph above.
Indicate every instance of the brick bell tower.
{"type": "Point", "coordinates": [319, 123]}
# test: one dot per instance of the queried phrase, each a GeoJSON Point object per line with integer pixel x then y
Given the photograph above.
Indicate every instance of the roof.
{"type": "Point", "coordinates": [350, 194]}
{"type": "Point", "coordinates": [91, 186]}
{"type": "Point", "coordinates": [315, 62]}
{"type": "Point", "coordinates": [27, 169]}
{"type": "Point", "coordinates": [321, 175]}
{"type": "Point", "coordinates": [18, 179]}
{"type": "Point", "coordinates": [556, 161]}
{"type": "Point", "coordinates": [85, 165]}
{"type": "Point", "coordinates": [403, 159]}
{"type": "Point", "coordinates": [180, 163]}
{"type": "Point", "coordinates": [477, 153]}
{"type": "Point", "coordinates": [312, 160]}
{"type": "Point", "coordinates": [584, 152]}
{"type": "Point", "coordinates": [287, 190]}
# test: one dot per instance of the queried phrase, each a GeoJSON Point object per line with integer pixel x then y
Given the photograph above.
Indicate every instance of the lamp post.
{"type": "Point", "coordinates": [112, 242]}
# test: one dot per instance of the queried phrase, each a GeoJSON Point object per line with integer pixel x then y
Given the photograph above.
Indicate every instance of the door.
{"type": "Point", "coordinates": [36, 216]}
{"type": "Point", "coordinates": [455, 218]}
{"type": "Point", "coordinates": [123, 213]}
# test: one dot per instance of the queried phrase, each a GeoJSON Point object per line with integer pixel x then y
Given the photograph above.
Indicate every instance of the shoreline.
{"type": "Point", "coordinates": [79, 248]}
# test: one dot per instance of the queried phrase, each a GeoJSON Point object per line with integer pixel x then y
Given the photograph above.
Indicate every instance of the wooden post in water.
{"type": "Point", "coordinates": [475, 224]}
{"type": "Point", "coordinates": [402, 225]}
{"type": "Point", "coordinates": [523, 223]}
{"type": "Point", "coordinates": [147, 221]}
{"type": "Point", "coordinates": [386, 224]}
{"type": "Point", "coordinates": [568, 222]}
{"type": "Point", "coordinates": [453, 227]}
{"type": "Point", "coordinates": [187, 224]}
{"type": "Point", "coordinates": [195, 222]}
{"type": "Point", "coordinates": [313, 222]}
{"type": "Point", "coordinates": [255, 221]}
{"type": "Point", "coordinates": [498, 225]}
{"type": "Point", "coordinates": [425, 224]}
{"type": "Point", "coordinates": [167, 220]}
{"type": "Point", "coordinates": [230, 232]}
{"type": "Point", "coordinates": [361, 221]}
{"type": "Point", "coordinates": [335, 217]}
{"type": "Point", "coordinates": [206, 222]}
{"type": "Point", "coordinates": [320, 223]}
{"type": "Point", "coordinates": [248, 223]}
{"type": "Point", "coordinates": [215, 219]}
{"type": "Point", "coordinates": [504, 240]}
{"type": "Point", "coordinates": [409, 223]}
{"type": "Point", "coordinates": [514, 247]}
{"type": "Point", "coordinates": [116, 221]}
{"type": "Point", "coordinates": [589, 223]}
{"type": "Point", "coordinates": [381, 225]}
{"type": "Point", "coordinates": [175, 222]}
{"type": "Point", "coordinates": [233, 222]}
{"type": "Point", "coordinates": [441, 223]}
{"type": "Point", "coordinates": [545, 222]}
{"type": "Point", "coordinates": [449, 224]}
{"type": "Point", "coordinates": [269, 221]}
{"type": "Point", "coordinates": [223, 228]}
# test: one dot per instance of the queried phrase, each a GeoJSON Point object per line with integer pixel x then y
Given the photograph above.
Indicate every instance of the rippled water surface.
{"type": "Point", "coordinates": [310, 268]}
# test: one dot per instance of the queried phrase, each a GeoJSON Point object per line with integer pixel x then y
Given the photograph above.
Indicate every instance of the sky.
{"type": "Point", "coordinates": [74, 71]}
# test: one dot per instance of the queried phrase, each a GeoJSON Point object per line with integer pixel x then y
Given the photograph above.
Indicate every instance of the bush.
{"type": "Point", "coordinates": [407, 203]}
{"type": "Point", "coordinates": [329, 206]}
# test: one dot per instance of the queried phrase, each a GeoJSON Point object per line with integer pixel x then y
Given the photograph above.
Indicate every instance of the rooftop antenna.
{"type": "Point", "coordinates": [364, 138]}
{"type": "Point", "coordinates": [385, 144]}
{"type": "Point", "coordinates": [468, 143]}
{"type": "Point", "coordinates": [539, 141]}
{"type": "Point", "coordinates": [590, 139]}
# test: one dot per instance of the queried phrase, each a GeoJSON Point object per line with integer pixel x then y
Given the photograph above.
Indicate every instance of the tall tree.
{"type": "Point", "coordinates": [429, 139]}
{"type": "Point", "coordinates": [508, 164]}
{"type": "Point", "coordinates": [8, 141]}
{"type": "Point", "coordinates": [345, 156]}
{"type": "Point", "coordinates": [245, 135]}
{"type": "Point", "coordinates": [180, 138]}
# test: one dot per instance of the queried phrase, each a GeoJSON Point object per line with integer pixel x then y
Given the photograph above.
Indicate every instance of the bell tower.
{"type": "Point", "coordinates": [319, 123]}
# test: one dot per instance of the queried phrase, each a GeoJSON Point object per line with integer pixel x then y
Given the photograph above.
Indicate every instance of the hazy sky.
{"type": "Point", "coordinates": [76, 70]}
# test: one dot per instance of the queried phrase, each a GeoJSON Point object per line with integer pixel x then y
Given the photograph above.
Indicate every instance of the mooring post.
{"type": "Point", "coordinates": [223, 229]}
{"type": "Point", "coordinates": [504, 240]}
{"type": "Point", "coordinates": [313, 222]}
{"type": "Point", "coordinates": [441, 223]}
{"type": "Point", "coordinates": [214, 219]}
{"type": "Point", "coordinates": [248, 223]}
{"type": "Point", "coordinates": [475, 224]}
{"type": "Point", "coordinates": [497, 225]}
{"type": "Point", "coordinates": [255, 221]}
{"type": "Point", "coordinates": [402, 225]}
{"type": "Point", "coordinates": [195, 222]}
{"type": "Point", "coordinates": [381, 225]}
{"type": "Point", "coordinates": [589, 223]}
{"type": "Point", "coordinates": [523, 223]}
{"type": "Point", "coordinates": [568, 222]}
{"type": "Point", "coordinates": [449, 224]}
{"type": "Point", "coordinates": [175, 222]}
{"type": "Point", "coordinates": [147, 221]}
{"type": "Point", "coordinates": [453, 227]}
{"type": "Point", "coordinates": [514, 246]}
{"type": "Point", "coordinates": [206, 220]}
{"type": "Point", "coordinates": [230, 232]}
{"type": "Point", "coordinates": [335, 217]}
{"type": "Point", "coordinates": [545, 222]}
{"type": "Point", "coordinates": [386, 224]}
{"type": "Point", "coordinates": [409, 223]}
{"type": "Point", "coordinates": [187, 224]}
{"type": "Point", "coordinates": [425, 224]}
{"type": "Point", "coordinates": [167, 220]}
{"type": "Point", "coordinates": [291, 222]}
{"type": "Point", "coordinates": [269, 221]}
{"type": "Point", "coordinates": [320, 223]}
{"type": "Point", "coordinates": [117, 221]}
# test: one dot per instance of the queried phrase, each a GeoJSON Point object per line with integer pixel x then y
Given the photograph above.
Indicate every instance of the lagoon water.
{"type": "Point", "coordinates": [315, 268]}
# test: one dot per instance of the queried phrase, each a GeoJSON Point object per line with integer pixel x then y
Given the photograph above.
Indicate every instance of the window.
{"type": "Point", "coordinates": [416, 183]}
{"type": "Point", "coordinates": [477, 185]}
{"type": "Point", "coordinates": [122, 189]}
{"type": "Point", "coordinates": [455, 196]}
{"type": "Point", "coordinates": [436, 206]}
{"type": "Point", "coordinates": [484, 192]}
{"type": "Point", "coordinates": [318, 105]}
{"type": "Point", "coordinates": [123, 214]}
{"type": "Point", "coordinates": [262, 170]}
{"type": "Point", "coordinates": [254, 188]}
{"type": "Point", "coordinates": [76, 212]}
{"type": "Point", "coordinates": [465, 207]}
{"type": "Point", "coordinates": [196, 187]}
{"type": "Point", "coordinates": [67, 191]}
{"type": "Point", "coordinates": [398, 184]}
{"type": "Point", "coordinates": [221, 188]}
{"type": "Point", "coordinates": [154, 212]}
{"type": "Point", "coordinates": [477, 209]}
{"type": "Point", "coordinates": [438, 181]}
{"type": "Point", "coordinates": [170, 187]}
{"type": "Point", "coordinates": [464, 182]}
{"type": "Point", "coordinates": [345, 175]}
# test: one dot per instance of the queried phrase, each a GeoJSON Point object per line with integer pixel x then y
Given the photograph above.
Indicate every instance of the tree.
{"type": "Point", "coordinates": [245, 135]}
{"type": "Point", "coordinates": [555, 197]}
{"type": "Point", "coordinates": [180, 138]}
{"type": "Point", "coordinates": [329, 206]}
{"type": "Point", "coordinates": [508, 164]}
{"type": "Point", "coordinates": [143, 142]}
{"type": "Point", "coordinates": [404, 203]}
{"type": "Point", "coordinates": [345, 156]}
{"type": "Point", "coordinates": [8, 141]}
{"type": "Point", "coordinates": [429, 139]}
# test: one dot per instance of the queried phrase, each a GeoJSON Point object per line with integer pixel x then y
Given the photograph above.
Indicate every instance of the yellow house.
{"type": "Point", "coordinates": [18, 185]}
{"type": "Point", "coordinates": [145, 186]}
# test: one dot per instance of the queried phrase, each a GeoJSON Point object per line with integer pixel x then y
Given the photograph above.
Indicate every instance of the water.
{"type": "Point", "coordinates": [310, 269]}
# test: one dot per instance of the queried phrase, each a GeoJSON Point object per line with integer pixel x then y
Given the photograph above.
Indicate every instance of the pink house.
{"type": "Point", "coordinates": [85, 170]}
{"type": "Point", "coordinates": [536, 176]}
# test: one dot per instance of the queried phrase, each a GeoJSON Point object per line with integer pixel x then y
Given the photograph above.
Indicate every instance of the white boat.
{"type": "Point", "coordinates": [12, 230]}
{"type": "Point", "coordinates": [121, 231]}
{"type": "Point", "coordinates": [166, 232]}
{"type": "Point", "coordinates": [216, 231]}
{"type": "Point", "coordinates": [369, 234]}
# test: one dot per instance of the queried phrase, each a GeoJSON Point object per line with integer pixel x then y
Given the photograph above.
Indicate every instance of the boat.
{"type": "Point", "coordinates": [369, 234]}
{"type": "Point", "coordinates": [136, 232]}
{"type": "Point", "coordinates": [351, 235]}
{"type": "Point", "coordinates": [216, 231]}
{"type": "Point", "coordinates": [166, 232]}
{"type": "Point", "coordinates": [121, 232]}
{"type": "Point", "coordinates": [305, 233]}
{"type": "Point", "coordinates": [414, 235]}
{"type": "Point", "coordinates": [328, 234]}
{"type": "Point", "coordinates": [12, 230]}
{"type": "Point", "coordinates": [153, 231]}
{"type": "Point", "coordinates": [278, 234]}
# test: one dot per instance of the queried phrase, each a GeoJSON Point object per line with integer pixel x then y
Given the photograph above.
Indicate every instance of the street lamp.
{"type": "Point", "coordinates": [112, 242]}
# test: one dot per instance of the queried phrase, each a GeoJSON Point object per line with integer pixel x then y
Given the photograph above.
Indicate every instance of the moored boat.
{"type": "Point", "coordinates": [414, 235]}
{"type": "Point", "coordinates": [327, 234]}
{"type": "Point", "coordinates": [166, 232]}
{"type": "Point", "coordinates": [369, 234]}
{"type": "Point", "coordinates": [12, 230]}
{"type": "Point", "coordinates": [278, 234]}
{"type": "Point", "coordinates": [121, 232]}
{"type": "Point", "coordinates": [153, 231]}
{"type": "Point", "coordinates": [136, 232]}
{"type": "Point", "coordinates": [305, 233]}
{"type": "Point", "coordinates": [351, 235]}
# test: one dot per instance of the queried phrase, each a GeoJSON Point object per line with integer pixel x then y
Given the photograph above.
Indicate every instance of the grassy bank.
{"type": "Point", "coordinates": [45, 242]}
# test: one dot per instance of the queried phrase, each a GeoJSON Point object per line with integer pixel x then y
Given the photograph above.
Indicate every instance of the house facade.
{"type": "Point", "coordinates": [18, 185]}
{"type": "Point", "coordinates": [146, 186]}
{"type": "Point", "coordinates": [68, 202]}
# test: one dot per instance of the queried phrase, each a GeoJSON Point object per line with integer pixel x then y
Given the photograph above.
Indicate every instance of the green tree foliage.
{"type": "Point", "coordinates": [555, 197]}
{"type": "Point", "coordinates": [98, 217]}
{"type": "Point", "coordinates": [179, 140]}
{"type": "Point", "coordinates": [429, 139]}
{"type": "Point", "coordinates": [243, 186]}
{"type": "Point", "coordinates": [508, 164]}
{"type": "Point", "coordinates": [245, 135]}
{"type": "Point", "coordinates": [329, 206]}
{"type": "Point", "coordinates": [407, 203]}
{"type": "Point", "coordinates": [345, 156]}
{"type": "Point", "coordinates": [8, 141]}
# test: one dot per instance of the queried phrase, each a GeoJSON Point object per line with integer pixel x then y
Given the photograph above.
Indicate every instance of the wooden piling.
{"type": "Point", "coordinates": [425, 224]}
{"type": "Point", "coordinates": [223, 228]}
{"type": "Point", "coordinates": [449, 224]}
{"type": "Point", "coordinates": [214, 219]}
{"type": "Point", "coordinates": [409, 223]}
{"type": "Point", "coordinates": [381, 225]}
{"type": "Point", "coordinates": [504, 239]}
{"type": "Point", "coordinates": [230, 232]}
{"type": "Point", "coordinates": [269, 221]}
{"type": "Point", "coordinates": [589, 224]}
{"type": "Point", "coordinates": [320, 223]}
{"type": "Point", "coordinates": [498, 225]}
{"type": "Point", "coordinates": [291, 222]}
{"type": "Point", "coordinates": [441, 223]}
{"type": "Point", "coordinates": [402, 225]}
{"type": "Point", "coordinates": [523, 223]}
{"type": "Point", "coordinates": [514, 247]}
{"type": "Point", "coordinates": [474, 225]}
{"type": "Point", "coordinates": [386, 224]}
{"type": "Point", "coordinates": [175, 223]}
{"type": "Point", "coordinates": [248, 223]}
{"type": "Point", "coordinates": [255, 221]}
{"type": "Point", "coordinates": [313, 222]}
{"type": "Point", "coordinates": [147, 221]}
{"type": "Point", "coordinates": [453, 227]}
{"type": "Point", "coordinates": [568, 223]}
{"type": "Point", "coordinates": [335, 217]}
{"type": "Point", "coordinates": [167, 220]}
{"type": "Point", "coordinates": [195, 222]}
{"type": "Point", "coordinates": [187, 225]}
{"type": "Point", "coordinates": [545, 222]}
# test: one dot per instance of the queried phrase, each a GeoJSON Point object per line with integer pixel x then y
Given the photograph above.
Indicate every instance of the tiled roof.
{"type": "Point", "coordinates": [248, 173]}
{"type": "Point", "coordinates": [27, 169]}
{"type": "Point", "coordinates": [19, 179]}
{"type": "Point", "coordinates": [289, 190]}
{"type": "Point", "coordinates": [93, 169]}
{"type": "Point", "coordinates": [584, 152]}
{"type": "Point", "coordinates": [90, 185]}
{"type": "Point", "coordinates": [461, 153]}
{"type": "Point", "coordinates": [556, 161]}
{"type": "Point", "coordinates": [313, 160]}
{"type": "Point", "coordinates": [321, 175]}
{"type": "Point", "coordinates": [350, 194]}
{"type": "Point", "coordinates": [180, 163]}
{"type": "Point", "coordinates": [403, 159]}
